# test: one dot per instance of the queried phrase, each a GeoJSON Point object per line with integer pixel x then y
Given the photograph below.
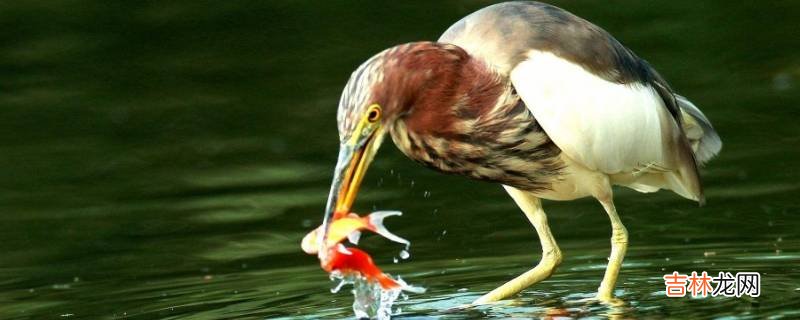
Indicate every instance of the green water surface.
{"type": "Point", "coordinates": [163, 159]}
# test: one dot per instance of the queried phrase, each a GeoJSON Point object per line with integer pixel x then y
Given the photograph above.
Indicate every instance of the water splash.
{"type": "Point", "coordinates": [403, 254]}
{"type": "Point", "coordinates": [371, 301]}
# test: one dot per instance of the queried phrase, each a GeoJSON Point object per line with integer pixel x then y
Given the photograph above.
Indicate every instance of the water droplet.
{"type": "Point", "coordinates": [404, 254]}
{"type": "Point", "coordinates": [444, 232]}
{"type": "Point", "coordinates": [462, 290]}
{"type": "Point", "coordinates": [395, 260]}
{"type": "Point", "coordinates": [426, 194]}
{"type": "Point", "coordinates": [413, 183]}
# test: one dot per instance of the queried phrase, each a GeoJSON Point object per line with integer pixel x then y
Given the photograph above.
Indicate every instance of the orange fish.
{"type": "Point", "coordinates": [350, 226]}
{"type": "Point", "coordinates": [353, 260]}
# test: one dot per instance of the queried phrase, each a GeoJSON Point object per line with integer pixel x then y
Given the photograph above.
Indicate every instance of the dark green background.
{"type": "Point", "coordinates": [162, 160]}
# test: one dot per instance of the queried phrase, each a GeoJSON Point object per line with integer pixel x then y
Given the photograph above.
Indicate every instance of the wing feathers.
{"type": "Point", "coordinates": [614, 128]}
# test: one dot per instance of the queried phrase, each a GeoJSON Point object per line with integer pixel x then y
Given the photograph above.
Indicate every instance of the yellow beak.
{"type": "Point", "coordinates": [350, 170]}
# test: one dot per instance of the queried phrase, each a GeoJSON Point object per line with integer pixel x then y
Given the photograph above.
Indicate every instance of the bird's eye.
{"type": "Point", "coordinates": [374, 113]}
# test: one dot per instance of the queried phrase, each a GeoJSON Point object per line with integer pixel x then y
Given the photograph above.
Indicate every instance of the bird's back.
{"type": "Point", "coordinates": [627, 123]}
{"type": "Point", "coordinates": [503, 34]}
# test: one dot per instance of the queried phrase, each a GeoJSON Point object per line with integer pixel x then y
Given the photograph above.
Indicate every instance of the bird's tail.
{"type": "Point", "coordinates": [704, 140]}
{"type": "Point", "coordinates": [698, 144]}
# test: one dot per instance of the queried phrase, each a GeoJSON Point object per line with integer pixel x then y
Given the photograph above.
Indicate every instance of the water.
{"type": "Point", "coordinates": [369, 299]}
{"type": "Point", "coordinates": [163, 161]}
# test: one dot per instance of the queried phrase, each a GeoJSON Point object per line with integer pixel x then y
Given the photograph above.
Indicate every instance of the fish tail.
{"type": "Point", "coordinates": [387, 283]}
{"type": "Point", "coordinates": [376, 225]}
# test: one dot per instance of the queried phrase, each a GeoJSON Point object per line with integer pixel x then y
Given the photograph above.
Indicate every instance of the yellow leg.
{"type": "Point", "coordinates": [619, 244]}
{"type": "Point", "coordinates": [551, 255]}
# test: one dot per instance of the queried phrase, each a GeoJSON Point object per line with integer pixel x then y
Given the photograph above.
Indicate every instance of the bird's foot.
{"type": "Point", "coordinates": [606, 297]}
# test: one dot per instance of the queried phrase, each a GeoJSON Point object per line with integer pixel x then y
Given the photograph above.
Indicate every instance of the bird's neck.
{"type": "Point", "coordinates": [445, 89]}
{"type": "Point", "coordinates": [457, 115]}
{"type": "Point", "coordinates": [451, 100]}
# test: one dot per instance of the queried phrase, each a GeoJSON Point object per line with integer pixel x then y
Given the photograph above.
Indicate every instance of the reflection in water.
{"type": "Point", "coordinates": [163, 160]}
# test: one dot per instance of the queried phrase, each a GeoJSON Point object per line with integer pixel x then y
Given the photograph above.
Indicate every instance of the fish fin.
{"type": "Point", "coordinates": [342, 249]}
{"type": "Point", "coordinates": [407, 287]}
{"type": "Point", "coordinates": [387, 282]}
{"type": "Point", "coordinates": [376, 225]}
{"type": "Point", "coordinates": [354, 236]}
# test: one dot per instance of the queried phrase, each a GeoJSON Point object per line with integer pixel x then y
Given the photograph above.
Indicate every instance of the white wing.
{"type": "Point", "coordinates": [606, 126]}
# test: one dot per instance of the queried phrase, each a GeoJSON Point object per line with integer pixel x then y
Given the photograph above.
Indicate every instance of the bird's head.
{"type": "Point", "coordinates": [389, 86]}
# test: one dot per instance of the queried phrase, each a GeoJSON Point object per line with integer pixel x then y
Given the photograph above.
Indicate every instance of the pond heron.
{"type": "Point", "coordinates": [536, 99]}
